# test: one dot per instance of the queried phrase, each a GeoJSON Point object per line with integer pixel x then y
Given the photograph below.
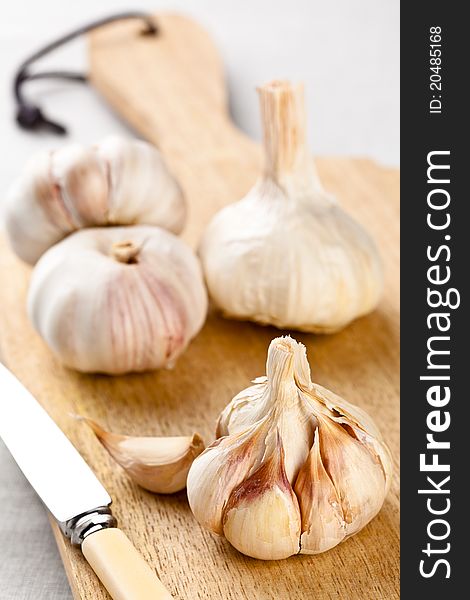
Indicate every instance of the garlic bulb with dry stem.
{"type": "Point", "coordinates": [118, 299]}
{"type": "Point", "coordinates": [115, 182]}
{"type": "Point", "coordinates": [295, 468]}
{"type": "Point", "coordinates": [158, 464]}
{"type": "Point", "coordinates": [287, 254]}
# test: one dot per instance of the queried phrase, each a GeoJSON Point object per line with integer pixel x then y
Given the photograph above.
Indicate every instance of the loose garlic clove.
{"type": "Point", "coordinates": [300, 437]}
{"type": "Point", "coordinates": [262, 517]}
{"type": "Point", "coordinates": [287, 254]}
{"type": "Point", "coordinates": [115, 182]}
{"type": "Point", "coordinates": [158, 464]}
{"type": "Point", "coordinates": [118, 299]}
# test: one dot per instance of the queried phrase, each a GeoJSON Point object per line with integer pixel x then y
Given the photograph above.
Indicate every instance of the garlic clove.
{"type": "Point", "coordinates": [158, 464]}
{"type": "Point", "coordinates": [262, 517]}
{"type": "Point", "coordinates": [81, 183]}
{"type": "Point", "coordinates": [241, 409]}
{"type": "Point", "coordinates": [219, 470]}
{"type": "Point", "coordinates": [142, 189]}
{"type": "Point", "coordinates": [323, 526]}
{"type": "Point", "coordinates": [357, 475]}
{"type": "Point", "coordinates": [35, 217]}
{"type": "Point", "coordinates": [361, 424]}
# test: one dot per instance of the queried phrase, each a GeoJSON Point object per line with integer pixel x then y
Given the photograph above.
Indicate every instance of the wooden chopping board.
{"type": "Point", "coordinates": [170, 88]}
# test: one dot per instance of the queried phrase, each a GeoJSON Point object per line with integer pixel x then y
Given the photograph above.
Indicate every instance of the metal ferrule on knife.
{"type": "Point", "coordinates": [77, 528]}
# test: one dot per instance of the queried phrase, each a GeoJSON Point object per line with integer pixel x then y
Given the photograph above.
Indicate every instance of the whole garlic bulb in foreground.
{"type": "Point", "coordinates": [118, 299]}
{"type": "Point", "coordinates": [297, 469]}
{"type": "Point", "coordinates": [115, 182]}
{"type": "Point", "coordinates": [287, 254]}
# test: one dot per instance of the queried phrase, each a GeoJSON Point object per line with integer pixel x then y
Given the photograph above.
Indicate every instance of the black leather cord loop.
{"type": "Point", "coordinates": [29, 115]}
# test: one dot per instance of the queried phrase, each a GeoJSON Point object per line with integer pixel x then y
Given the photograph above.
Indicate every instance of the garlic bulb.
{"type": "Point", "coordinates": [287, 254]}
{"type": "Point", "coordinates": [118, 299]}
{"type": "Point", "coordinates": [115, 182]}
{"type": "Point", "coordinates": [158, 464]}
{"type": "Point", "coordinates": [295, 468]}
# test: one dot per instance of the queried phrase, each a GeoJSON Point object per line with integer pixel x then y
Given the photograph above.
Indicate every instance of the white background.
{"type": "Point", "coordinates": [346, 52]}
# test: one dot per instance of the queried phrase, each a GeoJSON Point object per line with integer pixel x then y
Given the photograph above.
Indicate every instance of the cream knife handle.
{"type": "Point", "coordinates": [121, 569]}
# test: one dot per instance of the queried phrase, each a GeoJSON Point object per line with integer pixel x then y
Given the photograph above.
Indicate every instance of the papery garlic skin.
{"type": "Point", "coordinates": [115, 182]}
{"type": "Point", "coordinates": [158, 464]}
{"type": "Point", "coordinates": [287, 254]}
{"type": "Point", "coordinates": [329, 457]}
{"type": "Point", "coordinates": [118, 299]}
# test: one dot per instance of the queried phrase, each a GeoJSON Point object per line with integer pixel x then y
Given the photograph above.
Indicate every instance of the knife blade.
{"type": "Point", "coordinates": [52, 465]}
{"type": "Point", "coordinates": [72, 493]}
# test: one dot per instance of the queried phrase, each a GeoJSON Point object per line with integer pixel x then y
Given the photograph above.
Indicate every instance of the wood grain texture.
{"type": "Point", "coordinates": [171, 91]}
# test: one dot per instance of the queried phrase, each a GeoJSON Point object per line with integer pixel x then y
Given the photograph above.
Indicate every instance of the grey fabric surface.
{"type": "Point", "coordinates": [30, 566]}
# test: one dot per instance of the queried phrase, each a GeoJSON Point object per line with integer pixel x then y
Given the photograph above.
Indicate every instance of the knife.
{"type": "Point", "coordinates": [73, 494]}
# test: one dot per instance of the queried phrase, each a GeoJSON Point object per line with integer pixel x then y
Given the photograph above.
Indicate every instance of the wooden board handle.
{"type": "Point", "coordinates": [121, 569]}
